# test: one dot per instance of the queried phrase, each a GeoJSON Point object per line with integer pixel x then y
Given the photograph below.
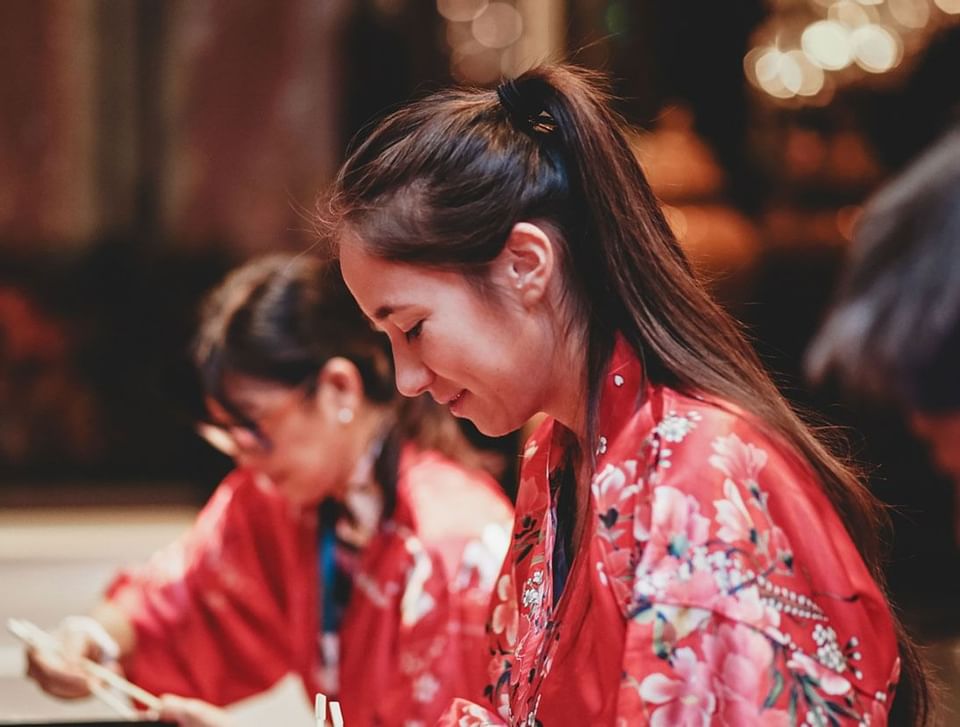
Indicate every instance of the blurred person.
{"type": "Point", "coordinates": [340, 549]}
{"type": "Point", "coordinates": [685, 550]}
{"type": "Point", "coordinates": [893, 330]}
{"type": "Point", "coordinates": [891, 343]}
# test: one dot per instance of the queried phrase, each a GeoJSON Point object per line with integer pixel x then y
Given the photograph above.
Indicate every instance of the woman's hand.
{"type": "Point", "coordinates": [191, 712]}
{"type": "Point", "coordinates": [59, 672]}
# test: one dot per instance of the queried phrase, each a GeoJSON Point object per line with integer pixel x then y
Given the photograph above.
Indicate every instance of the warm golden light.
{"type": "Point", "coordinates": [474, 63]}
{"type": "Point", "coordinates": [910, 13]}
{"type": "Point", "coordinates": [783, 75]}
{"type": "Point", "coordinates": [677, 221]}
{"type": "Point", "coordinates": [827, 43]}
{"type": "Point", "coordinates": [458, 34]}
{"type": "Point", "coordinates": [850, 14]}
{"type": "Point", "coordinates": [811, 75]}
{"type": "Point", "coordinates": [498, 26]}
{"type": "Point", "coordinates": [875, 48]}
{"type": "Point", "coordinates": [948, 6]}
{"type": "Point", "coordinates": [461, 10]}
{"type": "Point", "coordinates": [771, 68]}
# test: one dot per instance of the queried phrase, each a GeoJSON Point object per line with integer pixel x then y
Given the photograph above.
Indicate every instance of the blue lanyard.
{"type": "Point", "coordinates": [331, 611]}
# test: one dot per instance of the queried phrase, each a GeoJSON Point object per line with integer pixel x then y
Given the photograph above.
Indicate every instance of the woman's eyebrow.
{"type": "Point", "coordinates": [385, 311]}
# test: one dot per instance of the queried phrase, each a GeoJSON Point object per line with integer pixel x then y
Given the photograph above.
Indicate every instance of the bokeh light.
{"type": "Point", "coordinates": [910, 13]}
{"type": "Point", "coordinates": [948, 6]}
{"type": "Point", "coordinates": [810, 74]}
{"type": "Point", "coordinates": [875, 48]}
{"type": "Point", "coordinates": [461, 10]}
{"type": "Point", "coordinates": [498, 26]}
{"type": "Point", "coordinates": [475, 63]}
{"type": "Point", "coordinates": [827, 43]}
{"type": "Point", "coordinates": [770, 67]}
{"type": "Point", "coordinates": [850, 14]}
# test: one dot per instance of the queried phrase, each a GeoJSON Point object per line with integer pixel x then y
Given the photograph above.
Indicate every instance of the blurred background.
{"type": "Point", "coordinates": [146, 147]}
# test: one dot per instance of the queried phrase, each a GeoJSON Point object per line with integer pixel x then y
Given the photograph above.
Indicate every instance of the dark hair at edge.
{"type": "Point", "coordinates": [281, 318]}
{"type": "Point", "coordinates": [441, 182]}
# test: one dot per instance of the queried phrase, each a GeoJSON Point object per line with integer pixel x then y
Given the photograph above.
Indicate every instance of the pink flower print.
{"type": "Point", "coordinates": [677, 524]}
{"type": "Point", "coordinates": [472, 715]}
{"type": "Point", "coordinates": [673, 580]}
{"type": "Point", "coordinates": [506, 617]}
{"type": "Point", "coordinates": [643, 514]}
{"type": "Point", "coordinates": [736, 524]}
{"type": "Point", "coordinates": [685, 702]}
{"type": "Point", "coordinates": [425, 688]}
{"type": "Point", "coordinates": [738, 460]}
{"type": "Point", "coordinates": [828, 680]}
{"type": "Point", "coordinates": [781, 546]}
{"type": "Point", "coordinates": [739, 658]}
{"type": "Point", "coordinates": [746, 605]}
{"type": "Point", "coordinates": [612, 487]}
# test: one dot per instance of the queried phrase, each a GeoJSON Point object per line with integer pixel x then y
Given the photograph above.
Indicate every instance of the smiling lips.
{"type": "Point", "coordinates": [454, 400]}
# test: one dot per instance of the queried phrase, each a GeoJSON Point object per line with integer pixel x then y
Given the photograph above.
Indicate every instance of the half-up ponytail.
{"type": "Point", "coordinates": [442, 182]}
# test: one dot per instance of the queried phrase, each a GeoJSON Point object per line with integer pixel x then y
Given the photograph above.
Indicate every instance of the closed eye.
{"type": "Point", "coordinates": [414, 333]}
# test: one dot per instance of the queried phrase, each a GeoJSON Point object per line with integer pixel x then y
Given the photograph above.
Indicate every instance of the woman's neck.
{"type": "Point", "coordinates": [567, 385]}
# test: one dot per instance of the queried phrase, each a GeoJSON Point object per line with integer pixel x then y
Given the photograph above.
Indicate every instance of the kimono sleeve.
{"type": "Point", "coordinates": [429, 661]}
{"type": "Point", "coordinates": [464, 713]}
{"type": "Point", "coordinates": [206, 610]}
{"type": "Point", "coordinates": [721, 628]}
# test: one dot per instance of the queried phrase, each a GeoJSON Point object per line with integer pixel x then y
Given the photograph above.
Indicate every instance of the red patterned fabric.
{"type": "Point", "coordinates": [231, 607]}
{"type": "Point", "coordinates": [716, 584]}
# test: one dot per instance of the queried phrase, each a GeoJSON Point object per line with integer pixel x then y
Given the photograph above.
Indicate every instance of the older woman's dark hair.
{"type": "Point", "coordinates": [281, 318]}
{"type": "Point", "coordinates": [894, 328]}
{"type": "Point", "coordinates": [441, 183]}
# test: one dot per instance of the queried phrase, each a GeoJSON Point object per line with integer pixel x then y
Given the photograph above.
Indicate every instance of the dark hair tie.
{"type": "Point", "coordinates": [526, 113]}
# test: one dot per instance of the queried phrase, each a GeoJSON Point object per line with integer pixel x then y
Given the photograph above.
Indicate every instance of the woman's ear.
{"type": "Point", "coordinates": [527, 263]}
{"type": "Point", "coordinates": [339, 390]}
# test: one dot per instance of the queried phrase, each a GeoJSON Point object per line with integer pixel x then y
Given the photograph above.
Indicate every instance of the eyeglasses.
{"type": "Point", "coordinates": [248, 436]}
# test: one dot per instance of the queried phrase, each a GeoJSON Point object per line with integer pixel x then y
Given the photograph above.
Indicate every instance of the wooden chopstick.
{"type": "Point", "coordinates": [35, 637]}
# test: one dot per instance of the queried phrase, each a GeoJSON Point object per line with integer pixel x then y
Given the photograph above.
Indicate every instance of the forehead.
{"type": "Point", "coordinates": [382, 286]}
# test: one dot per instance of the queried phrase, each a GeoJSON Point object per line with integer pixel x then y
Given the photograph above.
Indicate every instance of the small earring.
{"type": "Point", "coordinates": [345, 415]}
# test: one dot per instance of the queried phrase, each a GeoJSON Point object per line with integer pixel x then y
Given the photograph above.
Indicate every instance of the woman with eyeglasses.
{"type": "Point", "coordinates": [340, 549]}
{"type": "Point", "coordinates": [686, 551]}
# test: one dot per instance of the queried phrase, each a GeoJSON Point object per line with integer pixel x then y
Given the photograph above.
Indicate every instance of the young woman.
{"type": "Point", "coordinates": [339, 549]}
{"type": "Point", "coordinates": [685, 551]}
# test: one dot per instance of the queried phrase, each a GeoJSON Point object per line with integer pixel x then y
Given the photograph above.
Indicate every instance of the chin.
{"type": "Point", "coordinates": [491, 428]}
{"type": "Point", "coordinates": [300, 498]}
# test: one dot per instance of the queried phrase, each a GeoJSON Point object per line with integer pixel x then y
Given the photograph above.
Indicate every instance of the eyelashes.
{"type": "Point", "coordinates": [414, 333]}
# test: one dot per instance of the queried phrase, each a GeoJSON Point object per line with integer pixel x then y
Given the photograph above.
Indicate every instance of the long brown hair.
{"type": "Point", "coordinates": [441, 183]}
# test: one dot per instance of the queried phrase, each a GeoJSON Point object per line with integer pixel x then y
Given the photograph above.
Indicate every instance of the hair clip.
{"type": "Point", "coordinates": [527, 114]}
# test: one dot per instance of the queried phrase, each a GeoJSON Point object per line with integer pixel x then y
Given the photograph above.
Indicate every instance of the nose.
{"type": "Point", "coordinates": [413, 377]}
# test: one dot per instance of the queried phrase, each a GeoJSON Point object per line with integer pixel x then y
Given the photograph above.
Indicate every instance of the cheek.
{"type": "Point", "coordinates": [302, 446]}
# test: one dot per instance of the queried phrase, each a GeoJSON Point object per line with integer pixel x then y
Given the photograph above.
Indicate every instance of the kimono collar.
{"type": "Point", "coordinates": [623, 388]}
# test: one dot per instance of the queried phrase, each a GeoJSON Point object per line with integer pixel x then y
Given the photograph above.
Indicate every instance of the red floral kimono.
{"type": "Point", "coordinates": [232, 606]}
{"type": "Point", "coordinates": [715, 584]}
